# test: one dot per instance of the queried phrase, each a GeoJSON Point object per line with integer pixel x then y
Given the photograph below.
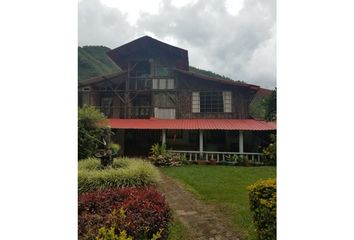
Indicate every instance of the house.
{"type": "Point", "coordinates": [156, 99]}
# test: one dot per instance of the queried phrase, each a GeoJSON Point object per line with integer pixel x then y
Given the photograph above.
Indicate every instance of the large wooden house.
{"type": "Point", "coordinates": [156, 99]}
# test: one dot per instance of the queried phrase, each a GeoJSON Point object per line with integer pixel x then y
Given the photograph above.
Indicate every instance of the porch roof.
{"type": "Point", "coordinates": [193, 124]}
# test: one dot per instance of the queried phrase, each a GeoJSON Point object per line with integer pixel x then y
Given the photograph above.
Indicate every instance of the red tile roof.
{"type": "Point", "coordinates": [192, 124]}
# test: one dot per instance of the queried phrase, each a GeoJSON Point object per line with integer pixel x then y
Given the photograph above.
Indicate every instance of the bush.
{"type": "Point", "coordinates": [160, 156]}
{"type": "Point", "coordinates": [270, 152]}
{"type": "Point", "coordinates": [262, 197]}
{"type": "Point", "coordinates": [140, 212]}
{"type": "Point", "coordinates": [92, 127]}
{"type": "Point", "coordinates": [123, 172]}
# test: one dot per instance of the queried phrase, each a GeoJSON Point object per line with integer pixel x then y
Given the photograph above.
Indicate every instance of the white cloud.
{"type": "Point", "coordinates": [234, 6]}
{"type": "Point", "coordinates": [134, 8]}
{"type": "Point", "coordinates": [239, 45]}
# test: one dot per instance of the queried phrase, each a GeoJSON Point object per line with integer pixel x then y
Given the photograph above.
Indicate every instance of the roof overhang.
{"type": "Point", "coordinates": [219, 80]}
{"type": "Point", "coordinates": [193, 124]}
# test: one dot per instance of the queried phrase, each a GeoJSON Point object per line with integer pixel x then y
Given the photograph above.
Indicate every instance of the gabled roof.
{"type": "Point", "coordinates": [147, 46]}
{"type": "Point", "coordinates": [193, 124]}
{"type": "Point", "coordinates": [219, 80]}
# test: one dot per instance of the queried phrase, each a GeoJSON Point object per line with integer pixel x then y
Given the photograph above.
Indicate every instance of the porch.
{"type": "Point", "coordinates": [210, 140]}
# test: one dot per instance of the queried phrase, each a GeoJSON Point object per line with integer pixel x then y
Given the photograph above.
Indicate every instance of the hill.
{"type": "Point", "coordinates": [93, 61]}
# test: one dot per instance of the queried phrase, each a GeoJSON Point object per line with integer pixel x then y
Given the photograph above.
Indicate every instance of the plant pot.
{"type": "Point", "coordinates": [202, 162]}
{"type": "Point", "coordinates": [213, 162]}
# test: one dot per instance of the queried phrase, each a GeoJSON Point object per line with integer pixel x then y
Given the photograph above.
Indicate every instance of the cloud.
{"type": "Point", "coordinates": [102, 25]}
{"type": "Point", "coordinates": [240, 46]}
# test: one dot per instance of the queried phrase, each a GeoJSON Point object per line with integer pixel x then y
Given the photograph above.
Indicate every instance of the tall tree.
{"type": "Point", "coordinates": [271, 106]}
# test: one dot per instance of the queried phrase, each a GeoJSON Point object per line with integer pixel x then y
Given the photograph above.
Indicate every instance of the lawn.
{"type": "Point", "coordinates": [224, 186]}
{"type": "Point", "coordinates": [178, 231]}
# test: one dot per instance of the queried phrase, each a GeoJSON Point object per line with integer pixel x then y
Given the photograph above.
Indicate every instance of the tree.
{"type": "Point", "coordinates": [93, 128]}
{"type": "Point", "coordinates": [271, 106]}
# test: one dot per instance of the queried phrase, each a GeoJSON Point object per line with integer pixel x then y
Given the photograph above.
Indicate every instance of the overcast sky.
{"type": "Point", "coordinates": [235, 38]}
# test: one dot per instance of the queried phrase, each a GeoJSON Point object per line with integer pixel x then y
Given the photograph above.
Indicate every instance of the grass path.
{"type": "Point", "coordinates": [225, 188]}
{"type": "Point", "coordinates": [202, 220]}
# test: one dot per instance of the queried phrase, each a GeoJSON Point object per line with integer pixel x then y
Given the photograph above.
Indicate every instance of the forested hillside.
{"type": "Point", "coordinates": [93, 61]}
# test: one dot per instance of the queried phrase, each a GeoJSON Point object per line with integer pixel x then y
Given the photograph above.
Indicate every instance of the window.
{"type": "Point", "coordinates": [211, 102]}
{"type": "Point", "coordinates": [163, 83]}
{"type": "Point", "coordinates": [195, 102]}
{"type": "Point", "coordinates": [165, 113]}
{"type": "Point", "coordinates": [227, 101]}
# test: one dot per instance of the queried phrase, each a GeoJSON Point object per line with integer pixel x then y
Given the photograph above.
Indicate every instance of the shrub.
{"type": "Point", "coordinates": [123, 172]}
{"type": "Point", "coordinates": [270, 152]}
{"type": "Point", "coordinates": [92, 127]}
{"type": "Point", "coordinates": [160, 156]}
{"type": "Point", "coordinates": [262, 197]}
{"type": "Point", "coordinates": [143, 213]}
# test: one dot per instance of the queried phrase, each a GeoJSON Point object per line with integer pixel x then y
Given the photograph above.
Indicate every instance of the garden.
{"type": "Point", "coordinates": [118, 197]}
{"type": "Point", "coordinates": [231, 190]}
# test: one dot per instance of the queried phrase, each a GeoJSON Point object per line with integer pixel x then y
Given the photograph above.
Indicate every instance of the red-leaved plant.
{"type": "Point", "coordinates": [146, 212]}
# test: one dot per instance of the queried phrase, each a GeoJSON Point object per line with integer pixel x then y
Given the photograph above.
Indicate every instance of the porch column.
{"type": "Point", "coordinates": [163, 136]}
{"type": "Point", "coordinates": [201, 141]}
{"type": "Point", "coordinates": [240, 141]}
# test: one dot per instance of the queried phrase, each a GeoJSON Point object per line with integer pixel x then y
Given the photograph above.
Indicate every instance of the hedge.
{"type": "Point", "coordinates": [124, 172]}
{"type": "Point", "coordinates": [262, 198]}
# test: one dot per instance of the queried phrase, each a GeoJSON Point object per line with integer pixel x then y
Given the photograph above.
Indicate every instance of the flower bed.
{"type": "Point", "coordinates": [145, 212]}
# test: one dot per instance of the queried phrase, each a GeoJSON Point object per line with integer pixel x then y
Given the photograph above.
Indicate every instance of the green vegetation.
{"type": "Point", "coordinates": [258, 109]}
{"type": "Point", "coordinates": [270, 152]}
{"type": "Point", "coordinates": [92, 127]}
{"type": "Point", "coordinates": [161, 156]}
{"type": "Point", "coordinates": [93, 61]}
{"type": "Point", "coordinates": [225, 187]}
{"type": "Point", "coordinates": [140, 213]}
{"type": "Point", "coordinates": [207, 73]}
{"type": "Point", "coordinates": [178, 231]}
{"type": "Point", "coordinates": [263, 204]}
{"type": "Point", "coordinates": [271, 106]}
{"type": "Point", "coordinates": [264, 107]}
{"type": "Point", "coordinates": [123, 172]}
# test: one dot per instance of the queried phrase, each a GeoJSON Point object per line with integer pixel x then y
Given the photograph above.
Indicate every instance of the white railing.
{"type": "Point", "coordinates": [218, 157]}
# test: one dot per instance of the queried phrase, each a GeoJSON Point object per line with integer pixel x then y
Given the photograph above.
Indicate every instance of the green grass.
{"type": "Point", "coordinates": [178, 231]}
{"type": "Point", "coordinates": [225, 187]}
{"type": "Point", "coordinates": [124, 172]}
